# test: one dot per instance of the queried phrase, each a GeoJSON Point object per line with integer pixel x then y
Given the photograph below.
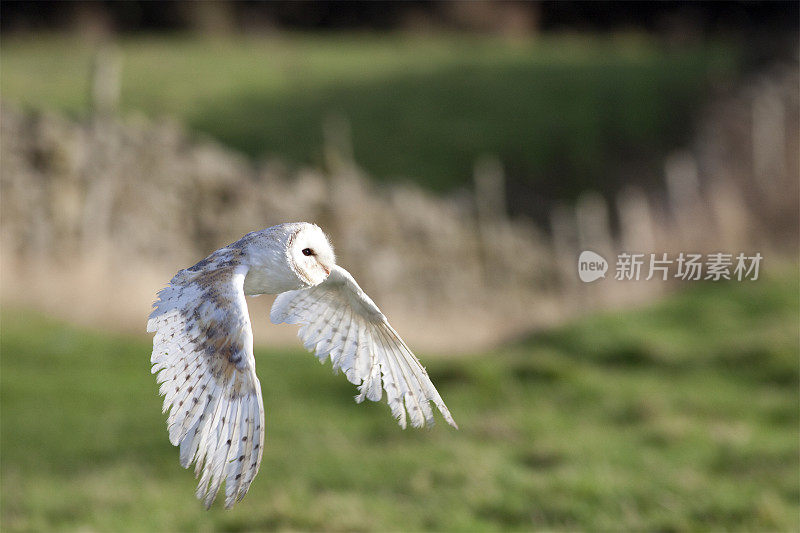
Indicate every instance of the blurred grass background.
{"type": "Point", "coordinates": [563, 112]}
{"type": "Point", "coordinates": [679, 416]}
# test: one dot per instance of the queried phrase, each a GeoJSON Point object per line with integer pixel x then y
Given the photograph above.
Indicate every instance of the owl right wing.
{"type": "Point", "coordinates": [339, 320]}
{"type": "Point", "coordinates": [203, 354]}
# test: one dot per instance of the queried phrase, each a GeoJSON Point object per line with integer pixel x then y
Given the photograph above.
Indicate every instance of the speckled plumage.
{"type": "Point", "coordinates": [203, 348]}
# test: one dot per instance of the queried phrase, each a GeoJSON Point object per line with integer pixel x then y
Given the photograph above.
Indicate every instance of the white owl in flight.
{"type": "Point", "coordinates": [203, 348]}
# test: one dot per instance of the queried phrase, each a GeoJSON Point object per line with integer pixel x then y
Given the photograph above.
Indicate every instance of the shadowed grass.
{"type": "Point", "coordinates": [560, 112]}
{"type": "Point", "coordinates": [676, 417]}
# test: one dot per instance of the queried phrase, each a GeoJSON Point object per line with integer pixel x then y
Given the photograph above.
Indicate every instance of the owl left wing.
{"type": "Point", "coordinates": [203, 354]}
{"type": "Point", "coordinates": [339, 320]}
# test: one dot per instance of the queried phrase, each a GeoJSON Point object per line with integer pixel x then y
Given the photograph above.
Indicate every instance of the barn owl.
{"type": "Point", "coordinates": [203, 348]}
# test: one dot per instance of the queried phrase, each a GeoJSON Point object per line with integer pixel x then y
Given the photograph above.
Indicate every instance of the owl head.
{"type": "Point", "coordinates": [310, 254]}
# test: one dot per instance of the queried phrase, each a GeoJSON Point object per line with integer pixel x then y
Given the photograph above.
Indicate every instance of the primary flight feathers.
{"type": "Point", "coordinates": [203, 349]}
{"type": "Point", "coordinates": [339, 320]}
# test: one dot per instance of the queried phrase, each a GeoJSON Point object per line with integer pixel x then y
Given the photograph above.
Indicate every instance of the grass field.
{"type": "Point", "coordinates": [682, 416]}
{"type": "Point", "coordinates": [560, 112]}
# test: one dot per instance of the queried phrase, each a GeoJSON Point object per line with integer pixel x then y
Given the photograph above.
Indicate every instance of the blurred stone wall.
{"type": "Point", "coordinates": [96, 215]}
{"type": "Point", "coordinates": [121, 197]}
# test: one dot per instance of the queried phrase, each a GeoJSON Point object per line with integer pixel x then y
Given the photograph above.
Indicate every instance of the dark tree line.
{"type": "Point", "coordinates": [509, 16]}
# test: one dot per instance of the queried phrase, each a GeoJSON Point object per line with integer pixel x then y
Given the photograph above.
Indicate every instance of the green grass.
{"type": "Point", "coordinates": [681, 416]}
{"type": "Point", "coordinates": [561, 112]}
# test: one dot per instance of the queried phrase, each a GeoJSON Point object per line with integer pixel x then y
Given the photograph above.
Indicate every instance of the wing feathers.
{"type": "Point", "coordinates": [422, 378]}
{"type": "Point", "coordinates": [347, 359]}
{"type": "Point", "coordinates": [338, 320]}
{"type": "Point", "coordinates": [203, 358]}
{"type": "Point", "coordinates": [244, 446]}
{"type": "Point", "coordinates": [251, 463]}
{"type": "Point", "coordinates": [188, 446]}
{"type": "Point", "coordinates": [393, 385]}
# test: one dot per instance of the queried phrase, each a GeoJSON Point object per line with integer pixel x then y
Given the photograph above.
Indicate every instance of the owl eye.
{"type": "Point", "coordinates": [308, 251]}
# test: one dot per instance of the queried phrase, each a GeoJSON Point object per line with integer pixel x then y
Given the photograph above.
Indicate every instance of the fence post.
{"type": "Point", "coordinates": [564, 234]}
{"type": "Point", "coordinates": [492, 220]}
{"type": "Point", "coordinates": [686, 203]}
{"type": "Point", "coordinates": [594, 233]}
{"type": "Point", "coordinates": [101, 180]}
{"type": "Point", "coordinates": [637, 227]}
{"type": "Point", "coordinates": [768, 137]}
{"type": "Point", "coordinates": [106, 80]}
{"type": "Point", "coordinates": [338, 144]}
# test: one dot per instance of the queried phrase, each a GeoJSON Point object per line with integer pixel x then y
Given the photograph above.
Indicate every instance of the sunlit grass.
{"type": "Point", "coordinates": [676, 417]}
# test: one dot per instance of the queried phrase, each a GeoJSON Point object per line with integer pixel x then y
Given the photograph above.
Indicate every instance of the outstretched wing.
{"type": "Point", "coordinates": [339, 320]}
{"type": "Point", "coordinates": [203, 353]}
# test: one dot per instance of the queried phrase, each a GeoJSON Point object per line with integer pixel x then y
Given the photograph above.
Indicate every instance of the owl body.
{"type": "Point", "coordinates": [203, 348]}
